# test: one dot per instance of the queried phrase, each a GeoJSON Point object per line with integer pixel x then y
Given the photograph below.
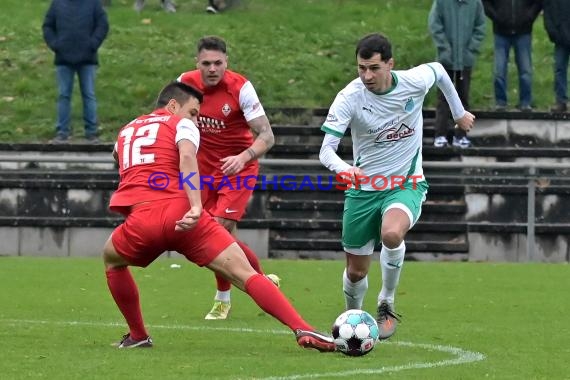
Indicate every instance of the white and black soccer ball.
{"type": "Point", "coordinates": [355, 332]}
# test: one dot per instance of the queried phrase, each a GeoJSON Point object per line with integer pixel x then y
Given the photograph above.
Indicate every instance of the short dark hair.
{"type": "Point", "coordinates": [211, 43]}
{"type": "Point", "coordinates": [372, 44]}
{"type": "Point", "coordinates": [178, 91]}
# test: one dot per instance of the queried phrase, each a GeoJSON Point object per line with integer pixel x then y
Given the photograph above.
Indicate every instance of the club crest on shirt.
{"type": "Point", "coordinates": [409, 105]}
{"type": "Point", "coordinates": [226, 109]}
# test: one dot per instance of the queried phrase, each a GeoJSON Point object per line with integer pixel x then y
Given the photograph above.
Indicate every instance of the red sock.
{"type": "Point", "coordinates": [126, 295]}
{"type": "Point", "coordinates": [269, 298]}
{"type": "Point", "coordinates": [223, 284]}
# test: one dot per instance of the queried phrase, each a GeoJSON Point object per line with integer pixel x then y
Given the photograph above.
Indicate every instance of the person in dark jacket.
{"type": "Point", "coordinates": [458, 29]}
{"type": "Point", "coordinates": [512, 28]}
{"type": "Point", "coordinates": [74, 30]}
{"type": "Point", "coordinates": [557, 25]}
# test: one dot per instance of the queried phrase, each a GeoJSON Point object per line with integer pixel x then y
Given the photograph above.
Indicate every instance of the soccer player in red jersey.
{"type": "Point", "coordinates": [164, 213]}
{"type": "Point", "coordinates": [231, 110]}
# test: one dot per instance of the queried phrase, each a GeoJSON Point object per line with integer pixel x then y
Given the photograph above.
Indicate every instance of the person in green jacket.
{"type": "Point", "coordinates": [457, 28]}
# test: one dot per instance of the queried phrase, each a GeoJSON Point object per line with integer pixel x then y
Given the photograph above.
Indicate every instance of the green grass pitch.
{"type": "Point", "coordinates": [461, 321]}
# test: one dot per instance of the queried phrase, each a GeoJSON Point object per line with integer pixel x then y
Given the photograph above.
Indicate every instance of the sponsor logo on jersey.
{"type": "Point", "coordinates": [394, 134]}
{"type": "Point", "coordinates": [226, 109]}
{"type": "Point", "coordinates": [388, 124]}
{"type": "Point", "coordinates": [331, 118]}
{"type": "Point", "coordinates": [210, 125]}
{"type": "Point", "coordinates": [367, 109]}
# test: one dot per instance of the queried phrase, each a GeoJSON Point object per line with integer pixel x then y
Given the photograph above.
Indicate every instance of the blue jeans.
{"type": "Point", "coordinates": [65, 76]}
{"type": "Point", "coordinates": [561, 54]}
{"type": "Point", "coordinates": [523, 59]}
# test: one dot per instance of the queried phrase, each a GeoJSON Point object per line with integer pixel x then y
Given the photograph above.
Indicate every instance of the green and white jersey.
{"type": "Point", "coordinates": [386, 128]}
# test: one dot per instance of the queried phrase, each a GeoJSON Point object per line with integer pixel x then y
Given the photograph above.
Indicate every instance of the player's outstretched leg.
{"type": "Point", "coordinates": [256, 265]}
{"type": "Point", "coordinates": [268, 297]}
{"type": "Point", "coordinates": [222, 300]}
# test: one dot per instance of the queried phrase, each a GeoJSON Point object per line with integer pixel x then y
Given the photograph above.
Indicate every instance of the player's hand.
{"type": "Point", "coordinates": [189, 220]}
{"type": "Point", "coordinates": [466, 122]}
{"type": "Point", "coordinates": [232, 164]}
{"type": "Point", "coordinates": [353, 173]}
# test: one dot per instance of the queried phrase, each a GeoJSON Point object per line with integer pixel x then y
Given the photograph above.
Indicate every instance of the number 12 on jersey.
{"type": "Point", "coordinates": [134, 141]}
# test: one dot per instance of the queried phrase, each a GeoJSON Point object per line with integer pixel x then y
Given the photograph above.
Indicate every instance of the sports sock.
{"type": "Point", "coordinates": [224, 285]}
{"type": "Point", "coordinates": [354, 291]}
{"type": "Point", "coordinates": [126, 295]}
{"type": "Point", "coordinates": [391, 262]}
{"type": "Point", "coordinates": [270, 299]}
{"type": "Point", "coordinates": [223, 296]}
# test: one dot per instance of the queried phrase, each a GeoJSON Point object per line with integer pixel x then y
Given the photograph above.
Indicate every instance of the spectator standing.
{"type": "Point", "coordinates": [557, 25]}
{"type": "Point", "coordinates": [74, 30]}
{"type": "Point", "coordinates": [457, 28]}
{"type": "Point", "coordinates": [512, 28]}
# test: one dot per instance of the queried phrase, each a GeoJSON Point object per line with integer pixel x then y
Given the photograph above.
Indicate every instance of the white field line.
{"type": "Point", "coordinates": [460, 356]}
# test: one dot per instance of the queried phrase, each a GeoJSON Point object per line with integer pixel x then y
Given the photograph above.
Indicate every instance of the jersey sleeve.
{"type": "Point", "coordinates": [339, 116]}
{"type": "Point", "coordinates": [249, 102]}
{"type": "Point", "coordinates": [446, 86]}
{"type": "Point", "coordinates": [187, 130]}
{"type": "Point", "coordinates": [425, 74]}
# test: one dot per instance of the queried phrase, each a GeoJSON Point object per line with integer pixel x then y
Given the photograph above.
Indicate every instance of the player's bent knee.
{"type": "Point", "coordinates": [392, 238]}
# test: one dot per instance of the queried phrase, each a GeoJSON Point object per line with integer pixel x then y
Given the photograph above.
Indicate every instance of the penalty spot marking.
{"type": "Point", "coordinates": [460, 356]}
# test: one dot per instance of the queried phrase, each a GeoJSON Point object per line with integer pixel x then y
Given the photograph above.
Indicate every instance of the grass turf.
{"type": "Point", "coordinates": [297, 53]}
{"type": "Point", "coordinates": [57, 320]}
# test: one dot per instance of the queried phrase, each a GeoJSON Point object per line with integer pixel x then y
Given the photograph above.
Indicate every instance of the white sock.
{"type": "Point", "coordinates": [223, 296]}
{"type": "Point", "coordinates": [354, 291]}
{"type": "Point", "coordinates": [391, 262]}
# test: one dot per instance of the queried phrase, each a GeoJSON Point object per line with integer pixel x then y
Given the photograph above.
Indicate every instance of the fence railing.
{"type": "Point", "coordinates": [531, 173]}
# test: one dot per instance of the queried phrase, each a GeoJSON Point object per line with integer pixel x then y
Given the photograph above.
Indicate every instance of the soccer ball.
{"type": "Point", "coordinates": [355, 332]}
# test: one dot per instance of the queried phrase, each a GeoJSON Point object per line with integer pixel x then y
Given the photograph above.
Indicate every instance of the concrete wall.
{"type": "Point", "coordinates": [87, 242]}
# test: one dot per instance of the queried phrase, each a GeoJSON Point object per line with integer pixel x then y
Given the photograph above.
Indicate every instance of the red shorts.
{"type": "Point", "coordinates": [229, 199]}
{"type": "Point", "coordinates": [148, 231]}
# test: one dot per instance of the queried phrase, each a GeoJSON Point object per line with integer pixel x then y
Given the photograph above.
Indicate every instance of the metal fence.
{"type": "Point", "coordinates": [530, 169]}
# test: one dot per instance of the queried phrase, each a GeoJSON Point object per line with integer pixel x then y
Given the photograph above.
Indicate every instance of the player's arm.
{"type": "Point", "coordinates": [328, 156]}
{"type": "Point", "coordinates": [338, 119]}
{"type": "Point", "coordinates": [188, 140]}
{"type": "Point", "coordinates": [189, 171]}
{"type": "Point", "coordinates": [264, 140]}
{"type": "Point", "coordinates": [463, 118]}
{"type": "Point", "coordinates": [254, 114]}
{"type": "Point", "coordinates": [189, 165]}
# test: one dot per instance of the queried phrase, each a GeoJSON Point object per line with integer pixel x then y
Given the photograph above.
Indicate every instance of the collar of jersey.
{"type": "Point", "coordinates": [392, 87]}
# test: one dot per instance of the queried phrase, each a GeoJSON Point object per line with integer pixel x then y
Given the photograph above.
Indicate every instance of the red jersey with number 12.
{"type": "Point", "coordinates": [224, 113]}
{"type": "Point", "coordinates": [149, 161]}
